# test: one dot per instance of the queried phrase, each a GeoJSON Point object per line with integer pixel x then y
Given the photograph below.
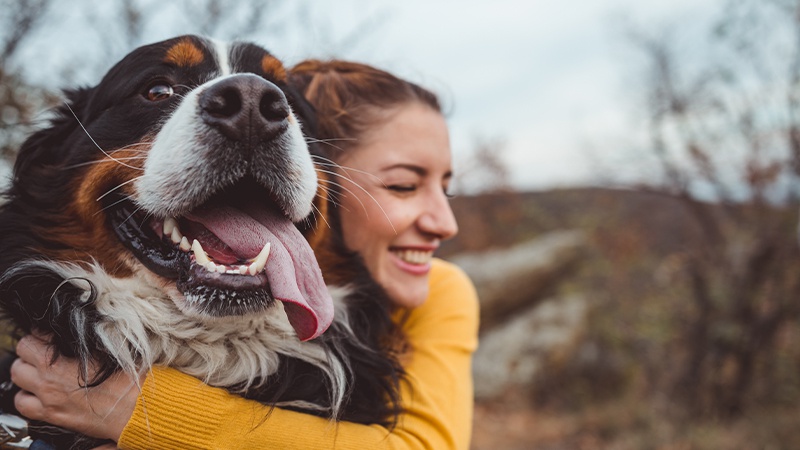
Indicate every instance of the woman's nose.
{"type": "Point", "coordinates": [438, 219]}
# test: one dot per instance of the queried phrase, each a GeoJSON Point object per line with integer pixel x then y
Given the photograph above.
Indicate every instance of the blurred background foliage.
{"type": "Point", "coordinates": [667, 315]}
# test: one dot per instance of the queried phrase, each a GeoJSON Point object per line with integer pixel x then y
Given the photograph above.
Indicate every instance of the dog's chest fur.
{"type": "Point", "coordinates": [140, 327]}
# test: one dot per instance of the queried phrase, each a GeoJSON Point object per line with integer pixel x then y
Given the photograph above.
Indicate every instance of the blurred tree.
{"type": "Point", "coordinates": [134, 21]}
{"type": "Point", "coordinates": [484, 170]}
{"type": "Point", "coordinates": [19, 101]}
{"type": "Point", "coordinates": [724, 127]}
{"type": "Point", "coordinates": [484, 175]}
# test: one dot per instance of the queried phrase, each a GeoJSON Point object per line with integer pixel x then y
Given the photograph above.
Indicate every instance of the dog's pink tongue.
{"type": "Point", "coordinates": [292, 270]}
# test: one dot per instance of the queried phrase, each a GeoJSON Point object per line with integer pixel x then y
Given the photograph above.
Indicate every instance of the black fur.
{"type": "Point", "coordinates": [34, 298]}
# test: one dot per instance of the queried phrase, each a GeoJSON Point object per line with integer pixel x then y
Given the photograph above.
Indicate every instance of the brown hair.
{"type": "Point", "coordinates": [351, 97]}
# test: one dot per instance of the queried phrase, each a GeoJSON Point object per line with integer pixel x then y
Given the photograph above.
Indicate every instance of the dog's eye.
{"type": "Point", "coordinates": [159, 91]}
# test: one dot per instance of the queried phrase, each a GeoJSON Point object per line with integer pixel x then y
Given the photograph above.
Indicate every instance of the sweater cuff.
{"type": "Point", "coordinates": [170, 405]}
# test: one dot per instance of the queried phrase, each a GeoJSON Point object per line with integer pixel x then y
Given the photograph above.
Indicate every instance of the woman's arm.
{"type": "Point", "coordinates": [178, 411]}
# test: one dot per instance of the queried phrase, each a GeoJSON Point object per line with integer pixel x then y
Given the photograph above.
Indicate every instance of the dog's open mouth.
{"type": "Point", "coordinates": [233, 255]}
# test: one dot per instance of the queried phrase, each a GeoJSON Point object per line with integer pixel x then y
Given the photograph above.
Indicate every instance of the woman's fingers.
{"type": "Point", "coordinates": [29, 405]}
{"type": "Point", "coordinates": [54, 392]}
{"type": "Point", "coordinates": [25, 375]}
{"type": "Point", "coordinates": [33, 351]}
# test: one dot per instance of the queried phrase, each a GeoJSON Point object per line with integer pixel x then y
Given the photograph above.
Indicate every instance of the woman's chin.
{"type": "Point", "coordinates": [404, 282]}
{"type": "Point", "coordinates": [407, 294]}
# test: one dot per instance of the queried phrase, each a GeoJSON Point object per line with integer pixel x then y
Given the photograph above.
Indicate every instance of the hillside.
{"type": "Point", "coordinates": [646, 256]}
{"type": "Point", "coordinates": [502, 219]}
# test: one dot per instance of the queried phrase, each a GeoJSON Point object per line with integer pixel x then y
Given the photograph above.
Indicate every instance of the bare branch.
{"type": "Point", "coordinates": [23, 17]}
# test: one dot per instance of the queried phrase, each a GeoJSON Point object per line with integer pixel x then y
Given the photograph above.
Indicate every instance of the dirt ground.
{"type": "Point", "coordinates": [516, 428]}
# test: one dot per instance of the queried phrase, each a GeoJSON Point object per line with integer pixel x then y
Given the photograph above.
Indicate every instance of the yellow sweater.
{"type": "Point", "coordinates": [176, 411]}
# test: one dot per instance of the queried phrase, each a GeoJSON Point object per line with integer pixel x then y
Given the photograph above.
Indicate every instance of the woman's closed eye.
{"type": "Point", "coordinates": [402, 188]}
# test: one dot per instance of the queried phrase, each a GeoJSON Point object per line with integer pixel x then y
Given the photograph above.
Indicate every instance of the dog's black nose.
{"type": "Point", "coordinates": [245, 108]}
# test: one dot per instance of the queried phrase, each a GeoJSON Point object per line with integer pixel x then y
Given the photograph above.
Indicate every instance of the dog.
{"type": "Point", "coordinates": [164, 217]}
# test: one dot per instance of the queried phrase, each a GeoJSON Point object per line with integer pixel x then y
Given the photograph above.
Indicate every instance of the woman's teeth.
{"type": "Point", "coordinates": [414, 256]}
{"type": "Point", "coordinates": [201, 258]}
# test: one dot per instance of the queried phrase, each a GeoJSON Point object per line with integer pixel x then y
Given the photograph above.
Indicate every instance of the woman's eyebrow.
{"type": "Point", "coordinates": [421, 171]}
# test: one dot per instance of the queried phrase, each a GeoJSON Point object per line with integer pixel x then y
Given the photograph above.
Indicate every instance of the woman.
{"type": "Point", "coordinates": [387, 141]}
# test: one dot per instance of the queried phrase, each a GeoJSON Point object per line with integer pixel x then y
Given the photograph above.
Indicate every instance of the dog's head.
{"type": "Point", "coordinates": [188, 164]}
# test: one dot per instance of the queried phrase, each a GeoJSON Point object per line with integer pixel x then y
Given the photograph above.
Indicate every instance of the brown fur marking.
{"type": "Point", "coordinates": [184, 54]}
{"type": "Point", "coordinates": [84, 228]}
{"type": "Point", "coordinates": [274, 68]}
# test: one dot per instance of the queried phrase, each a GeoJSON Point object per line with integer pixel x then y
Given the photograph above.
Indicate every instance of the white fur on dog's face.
{"type": "Point", "coordinates": [177, 174]}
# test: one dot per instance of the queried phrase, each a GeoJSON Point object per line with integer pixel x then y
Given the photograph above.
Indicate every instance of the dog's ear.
{"type": "Point", "coordinates": [44, 148]}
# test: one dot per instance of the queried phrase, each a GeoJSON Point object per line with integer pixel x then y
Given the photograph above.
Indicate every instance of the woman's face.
{"type": "Point", "coordinates": [394, 209]}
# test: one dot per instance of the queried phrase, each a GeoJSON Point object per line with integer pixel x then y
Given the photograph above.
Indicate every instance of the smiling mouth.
{"type": "Point", "coordinates": [415, 257]}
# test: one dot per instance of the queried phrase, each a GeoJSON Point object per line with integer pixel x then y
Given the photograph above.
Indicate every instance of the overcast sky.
{"type": "Point", "coordinates": [551, 79]}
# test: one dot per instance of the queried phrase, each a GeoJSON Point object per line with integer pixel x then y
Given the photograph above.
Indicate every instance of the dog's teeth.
{"type": "Point", "coordinates": [260, 261]}
{"type": "Point", "coordinates": [243, 270]}
{"type": "Point", "coordinates": [199, 254]}
{"type": "Point", "coordinates": [221, 268]}
{"type": "Point", "coordinates": [210, 266]}
{"type": "Point", "coordinates": [185, 245]}
{"type": "Point", "coordinates": [176, 236]}
{"type": "Point", "coordinates": [169, 225]}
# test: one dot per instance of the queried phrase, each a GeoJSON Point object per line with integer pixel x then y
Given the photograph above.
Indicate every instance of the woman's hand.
{"type": "Point", "coordinates": [53, 393]}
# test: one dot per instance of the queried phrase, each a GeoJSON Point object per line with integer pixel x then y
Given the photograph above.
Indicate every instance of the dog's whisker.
{"type": "Point", "coordinates": [92, 139]}
{"type": "Point", "coordinates": [329, 195]}
{"type": "Point", "coordinates": [117, 187]}
{"type": "Point", "coordinates": [351, 169]}
{"type": "Point", "coordinates": [323, 158]}
{"type": "Point", "coordinates": [322, 216]}
{"type": "Point", "coordinates": [313, 139]}
{"type": "Point", "coordinates": [335, 195]}
{"type": "Point", "coordinates": [90, 163]}
{"type": "Point", "coordinates": [328, 142]}
{"type": "Point", "coordinates": [146, 218]}
{"type": "Point", "coordinates": [135, 144]}
{"type": "Point", "coordinates": [347, 172]}
{"type": "Point", "coordinates": [362, 203]}
{"type": "Point", "coordinates": [113, 204]}
{"type": "Point", "coordinates": [131, 215]}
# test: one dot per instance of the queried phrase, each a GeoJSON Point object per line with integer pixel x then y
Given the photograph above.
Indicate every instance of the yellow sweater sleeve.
{"type": "Point", "coordinates": [176, 411]}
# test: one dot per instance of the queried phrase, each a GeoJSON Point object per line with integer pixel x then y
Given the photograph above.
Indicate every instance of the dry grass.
{"type": "Point", "coordinates": [628, 426]}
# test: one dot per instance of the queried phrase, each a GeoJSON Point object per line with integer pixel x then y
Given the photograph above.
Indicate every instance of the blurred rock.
{"type": "Point", "coordinates": [511, 356]}
{"type": "Point", "coordinates": [512, 279]}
